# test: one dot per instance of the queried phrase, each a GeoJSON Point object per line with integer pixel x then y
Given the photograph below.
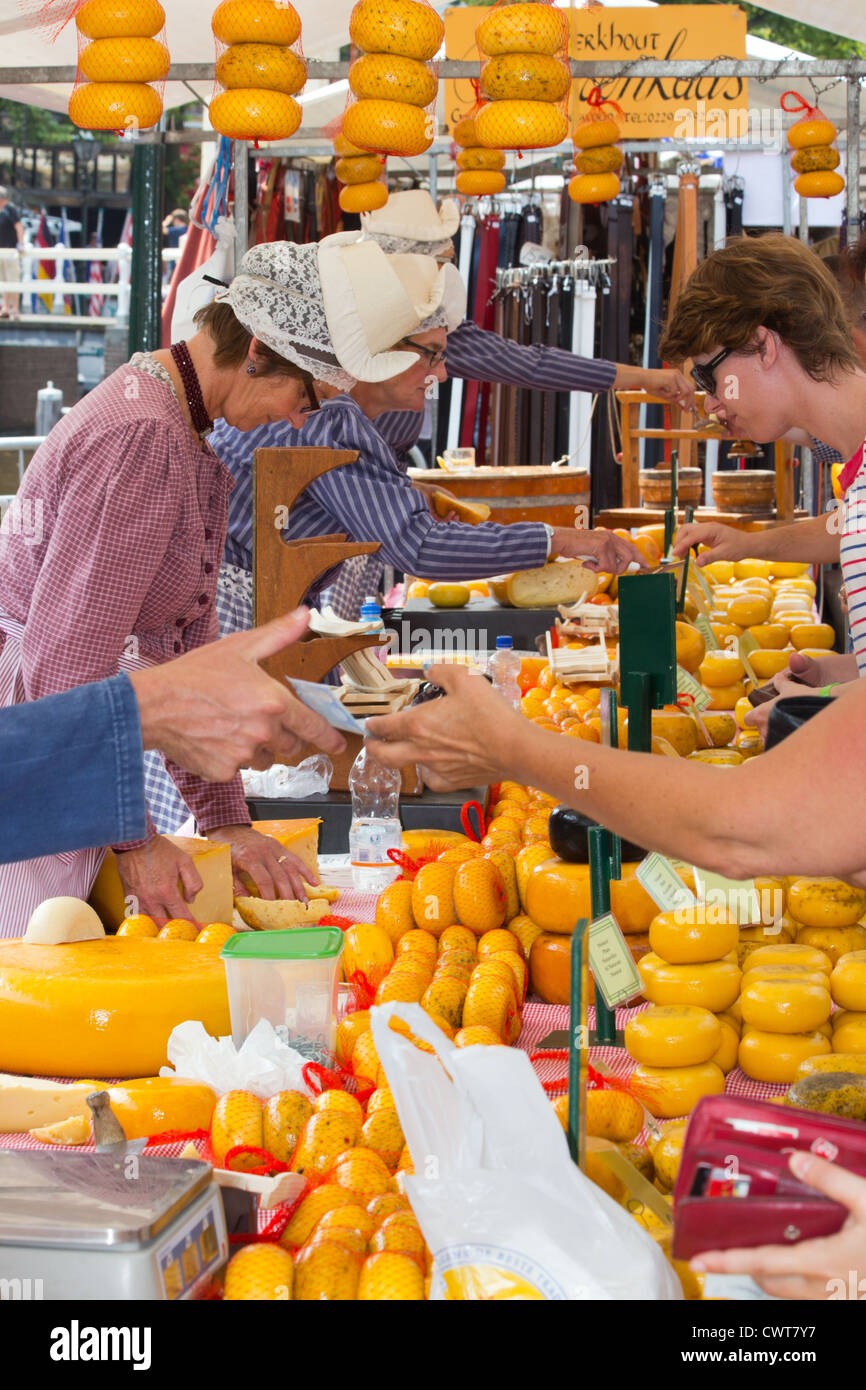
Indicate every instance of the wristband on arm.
{"type": "Point", "coordinates": [826, 690]}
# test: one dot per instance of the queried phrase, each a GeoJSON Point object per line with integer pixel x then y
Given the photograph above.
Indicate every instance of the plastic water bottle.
{"type": "Point", "coordinates": [49, 408]}
{"type": "Point", "coordinates": [504, 667]}
{"type": "Point", "coordinates": [372, 613]}
{"type": "Point", "coordinates": [375, 825]}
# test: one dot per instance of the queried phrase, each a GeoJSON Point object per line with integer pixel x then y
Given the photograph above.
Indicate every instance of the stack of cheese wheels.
{"type": "Point", "coordinates": [480, 169]}
{"type": "Point", "coordinates": [598, 158]}
{"type": "Point", "coordinates": [814, 157]}
{"type": "Point", "coordinates": [119, 56]}
{"type": "Point", "coordinates": [392, 81]}
{"type": "Point", "coordinates": [723, 674]}
{"type": "Point", "coordinates": [785, 1006]}
{"type": "Point", "coordinates": [848, 988]}
{"type": "Point", "coordinates": [259, 70]}
{"type": "Point", "coordinates": [525, 76]}
{"type": "Point", "coordinates": [686, 1043]}
{"type": "Point", "coordinates": [362, 175]}
{"type": "Point", "coordinates": [827, 914]}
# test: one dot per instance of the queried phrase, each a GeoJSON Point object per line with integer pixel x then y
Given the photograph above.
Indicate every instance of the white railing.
{"type": "Point", "coordinates": [20, 444]}
{"type": "Point", "coordinates": [29, 286]}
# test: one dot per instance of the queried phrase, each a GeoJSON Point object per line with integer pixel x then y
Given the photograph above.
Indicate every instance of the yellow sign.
{"type": "Point", "coordinates": [706, 107]}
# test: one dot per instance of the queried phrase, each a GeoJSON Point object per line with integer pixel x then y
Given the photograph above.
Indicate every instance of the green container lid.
{"type": "Point", "coordinates": [300, 943]}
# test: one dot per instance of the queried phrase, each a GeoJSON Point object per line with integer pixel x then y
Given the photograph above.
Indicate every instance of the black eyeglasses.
{"type": "Point", "coordinates": [314, 403]}
{"type": "Point", "coordinates": [434, 356]}
{"type": "Point", "coordinates": [705, 377]}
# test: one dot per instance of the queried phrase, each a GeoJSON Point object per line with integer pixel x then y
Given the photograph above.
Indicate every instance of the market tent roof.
{"type": "Point", "coordinates": [845, 17]}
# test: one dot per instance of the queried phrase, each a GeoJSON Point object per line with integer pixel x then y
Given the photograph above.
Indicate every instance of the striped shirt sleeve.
{"type": "Point", "coordinates": [478, 355]}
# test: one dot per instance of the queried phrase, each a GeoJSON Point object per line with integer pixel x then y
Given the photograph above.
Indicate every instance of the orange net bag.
{"type": "Point", "coordinates": [814, 155]}
{"type": "Point", "coordinates": [393, 82]}
{"type": "Point", "coordinates": [524, 76]}
{"type": "Point", "coordinates": [123, 61]}
{"type": "Point", "coordinates": [260, 69]}
{"type": "Point", "coordinates": [598, 158]}
{"type": "Point", "coordinates": [479, 169]}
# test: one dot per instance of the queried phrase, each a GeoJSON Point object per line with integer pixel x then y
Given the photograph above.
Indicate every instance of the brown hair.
{"type": "Point", "coordinates": [232, 344]}
{"type": "Point", "coordinates": [772, 281]}
{"type": "Point", "coordinates": [850, 270]}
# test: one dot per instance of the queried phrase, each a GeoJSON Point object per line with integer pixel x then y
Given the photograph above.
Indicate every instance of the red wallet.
{"type": "Point", "coordinates": [734, 1187]}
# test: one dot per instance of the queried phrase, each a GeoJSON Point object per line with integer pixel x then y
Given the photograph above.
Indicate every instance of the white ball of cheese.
{"type": "Point", "coordinates": [59, 920]}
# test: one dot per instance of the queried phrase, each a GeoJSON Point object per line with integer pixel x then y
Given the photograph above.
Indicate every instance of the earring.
{"type": "Point", "coordinates": [251, 369]}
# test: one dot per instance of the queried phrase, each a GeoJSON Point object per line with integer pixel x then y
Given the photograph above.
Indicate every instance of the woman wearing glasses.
{"type": "Point", "coordinates": [126, 505]}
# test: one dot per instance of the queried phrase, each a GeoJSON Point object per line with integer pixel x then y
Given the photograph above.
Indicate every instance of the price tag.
{"type": "Point", "coordinates": [687, 685]}
{"type": "Point", "coordinates": [610, 961]}
{"type": "Point", "coordinates": [705, 628]}
{"type": "Point", "coordinates": [737, 896]}
{"type": "Point", "coordinates": [695, 573]}
{"type": "Point", "coordinates": [664, 885]}
{"type": "Point", "coordinates": [745, 646]}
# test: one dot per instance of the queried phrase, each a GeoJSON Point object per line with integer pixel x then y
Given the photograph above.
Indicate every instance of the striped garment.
{"type": "Point", "coordinates": [853, 556]}
{"type": "Point", "coordinates": [371, 500]}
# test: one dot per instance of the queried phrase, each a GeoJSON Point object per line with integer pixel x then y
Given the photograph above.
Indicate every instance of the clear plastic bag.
{"type": "Point", "coordinates": [312, 777]}
{"type": "Point", "coordinates": [502, 1206]}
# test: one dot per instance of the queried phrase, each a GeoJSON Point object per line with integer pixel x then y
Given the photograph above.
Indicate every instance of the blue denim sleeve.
{"type": "Point", "coordinates": [71, 771]}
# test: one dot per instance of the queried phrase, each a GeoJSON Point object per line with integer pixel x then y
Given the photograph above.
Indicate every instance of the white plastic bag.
{"type": "Point", "coordinates": [195, 291]}
{"type": "Point", "coordinates": [262, 1064]}
{"type": "Point", "coordinates": [502, 1206]}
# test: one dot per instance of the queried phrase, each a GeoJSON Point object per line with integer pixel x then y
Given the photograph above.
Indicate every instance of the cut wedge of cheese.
{"type": "Point", "coordinates": [559, 581]}
{"type": "Point", "coordinates": [278, 914]}
{"type": "Point", "coordinates": [28, 1102]}
{"type": "Point", "coordinates": [299, 837]}
{"type": "Point", "coordinates": [75, 1130]}
{"type": "Point", "coordinates": [472, 513]}
{"type": "Point", "coordinates": [321, 890]}
{"type": "Point", "coordinates": [213, 904]}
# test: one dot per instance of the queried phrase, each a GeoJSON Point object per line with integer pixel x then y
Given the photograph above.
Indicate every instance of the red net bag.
{"type": "Point", "coordinates": [260, 69]}
{"type": "Point", "coordinates": [814, 156]}
{"type": "Point", "coordinates": [123, 61]}
{"type": "Point", "coordinates": [598, 158]}
{"type": "Point", "coordinates": [524, 76]}
{"type": "Point", "coordinates": [393, 82]}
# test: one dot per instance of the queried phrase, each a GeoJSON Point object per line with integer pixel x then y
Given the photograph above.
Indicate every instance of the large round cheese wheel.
{"type": "Point", "coordinates": [673, 1035]}
{"type": "Point", "coordinates": [848, 982]}
{"type": "Point", "coordinates": [776, 1057]}
{"type": "Point", "coordinates": [670, 1091]}
{"type": "Point", "coordinates": [791, 953]}
{"type": "Point", "coordinates": [785, 1006]}
{"type": "Point", "coordinates": [849, 1034]}
{"type": "Point", "coordinates": [713, 985]}
{"type": "Point", "coordinates": [103, 1008]}
{"type": "Point", "coordinates": [825, 902]}
{"type": "Point", "coordinates": [686, 937]}
{"type": "Point", "coordinates": [834, 941]}
{"type": "Point", "coordinates": [795, 973]}
{"type": "Point", "coordinates": [725, 1056]}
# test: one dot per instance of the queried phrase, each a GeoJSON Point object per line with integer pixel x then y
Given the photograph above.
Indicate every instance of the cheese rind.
{"type": "Point", "coordinates": [299, 837]}
{"type": "Point", "coordinates": [213, 904]}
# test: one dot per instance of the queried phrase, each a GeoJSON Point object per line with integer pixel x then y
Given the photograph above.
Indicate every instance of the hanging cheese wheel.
{"type": "Point", "coordinates": [811, 132]}
{"type": "Point", "coordinates": [251, 113]}
{"type": "Point", "coordinates": [364, 168]}
{"type": "Point", "coordinates": [393, 78]}
{"type": "Point", "coordinates": [526, 77]}
{"type": "Point", "coordinates": [480, 183]}
{"type": "Point", "coordinates": [265, 66]}
{"type": "Point", "coordinates": [814, 158]}
{"type": "Point", "coordinates": [124, 60]}
{"type": "Point", "coordinates": [593, 188]}
{"type": "Point", "coordinates": [345, 148]}
{"type": "Point", "coordinates": [465, 133]}
{"type": "Point", "coordinates": [394, 126]}
{"type": "Point", "coordinates": [527, 28]}
{"type": "Point", "coordinates": [824, 183]}
{"type": "Point", "coordinates": [599, 159]}
{"type": "Point", "coordinates": [109, 19]}
{"type": "Point", "coordinates": [527, 125]}
{"type": "Point", "coordinates": [480, 158]}
{"type": "Point", "coordinates": [363, 197]}
{"type": "Point", "coordinates": [114, 106]}
{"type": "Point", "coordinates": [404, 27]}
{"type": "Point", "coordinates": [256, 21]}
{"type": "Point", "coordinates": [591, 133]}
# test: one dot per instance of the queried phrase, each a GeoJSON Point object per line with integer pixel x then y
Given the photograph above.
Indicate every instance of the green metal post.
{"type": "Point", "coordinates": [599, 882]}
{"type": "Point", "coordinates": [578, 1043]}
{"type": "Point", "coordinates": [145, 305]}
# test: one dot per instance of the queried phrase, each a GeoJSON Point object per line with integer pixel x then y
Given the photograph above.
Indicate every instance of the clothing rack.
{"type": "Point", "coordinates": [579, 268]}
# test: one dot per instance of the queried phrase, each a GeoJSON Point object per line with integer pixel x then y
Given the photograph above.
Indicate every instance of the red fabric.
{"type": "Point", "coordinates": [481, 313]}
{"type": "Point", "coordinates": [198, 247]}
{"type": "Point", "coordinates": [851, 469]}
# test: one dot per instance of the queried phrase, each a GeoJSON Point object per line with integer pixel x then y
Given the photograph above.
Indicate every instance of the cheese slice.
{"type": "Point", "coordinates": [321, 890]}
{"type": "Point", "coordinates": [559, 581]}
{"type": "Point", "coordinates": [75, 1130]}
{"type": "Point", "coordinates": [26, 1103]}
{"type": "Point", "coordinates": [278, 914]}
{"type": "Point", "coordinates": [213, 904]}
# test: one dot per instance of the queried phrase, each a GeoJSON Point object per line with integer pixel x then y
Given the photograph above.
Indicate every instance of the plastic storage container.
{"type": "Point", "coordinates": [291, 979]}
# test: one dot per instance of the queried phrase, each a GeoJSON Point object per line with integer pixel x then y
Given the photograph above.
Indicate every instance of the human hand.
{"type": "Point", "coordinates": [275, 872]}
{"type": "Point", "coordinates": [725, 543]}
{"type": "Point", "coordinates": [214, 710]}
{"type": "Point", "coordinates": [670, 384]}
{"type": "Point", "coordinates": [598, 549]}
{"type": "Point", "coordinates": [430, 491]}
{"type": "Point", "coordinates": [161, 878]}
{"type": "Point", "coordinates": [813, 1268]}
{"type": "Point", "coordinates": [450, 738]}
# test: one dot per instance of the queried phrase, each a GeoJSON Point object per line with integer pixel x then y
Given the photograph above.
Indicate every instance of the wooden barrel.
{"type": "Point", "coordinates": [559, 496]}
{"type": "Point", "coordinates": [745, 490]}
{"type": "Point", "coordinates": [655, 486]}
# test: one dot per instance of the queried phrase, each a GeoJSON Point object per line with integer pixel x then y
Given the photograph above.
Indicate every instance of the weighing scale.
{"type": "Point", "coordinates": [99, 1226]}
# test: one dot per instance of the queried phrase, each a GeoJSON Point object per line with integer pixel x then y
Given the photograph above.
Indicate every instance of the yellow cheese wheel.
{"type": "Point", "coordinates": [720, 726]}
{"type": "Point", "coordinates": [789, 971]}
{"type": "Point", "coordinates": [837, 1061]}
{"type": "Point", "coordinates": [263, 65]}
{"type": "Point", "coordinates": [480, 158]}
{"type": "Point", "coordinates": [593, 188]}
{"type": "Point", "coordinates": [769, 663]}
{"type": "Point", "coordinates": [527, 76]}
{"type": "Point", "coordinates": [720, 669]}
{"type": "Point", "coordinates": [725, 1056]}
{"type": "Point", "coordinates": [809, 957]}
{"type": "Point", "coordinates": [726, 696]}
{"type": "Point", "coordinates": [785, 1005]}
{"type": "Point", "coordinates": [103, 1008]}
{"type": "Point", "coordinates": [769, 636]}
{"type": "Point", "coordinates": [363, 168]}
{"type": "Point", "coordinates": [849, 1035]}
{"type": "Point", "coordinates": [691, 936]}
{"type": "Point", "coordinates": [835, 942]}
{"type": "Point", "coordinates": [557, 894]}
{"type": "Point", "coordinates": [670, 1091]}
{"type": "Point", "coordinates": [776, 1057]}
{"type": "Point", "coordinates": [590, 135]}
{"type": "Point", "coordinates": [393, 78]}
{"type": "Point", "coordinates": [601, 159]}
{"type": "Point", "coordinates": [820, 635]}
{"type": "Point", "coordinates": [522, 28]}
{"type": "Point", "coordinates": [124, 60]}
{"type": "Point", "coordinates": [675, 726]}
{"type": "Point", "coordinates": [253, 113]}
{"type": "Point", "coordinates": [396, 26]}
{"type": "Point", "coordinates": [480, 183]}
{"type": "Point", "coordinates": [825, 902]}
{"type": "Point", "coordinates": [256, 21]}
{"type": "Point", "coordinates": [676, 1035]}
{"type": "Point", "coordinates": [389, 127]}
{"type": "Point", "coordinates": [752, 569]}
{"type": "Point", "coordinates": [114, 106]}
{"type": "Point", "coordinates": [801, 585]}
{"type": "Point", "coordinates": [750, 608]}
{"type": "Point", "coordinates": [713, 985]}
{"type": "Point", "coordinates": [344, 148]}
{"type": "Point", "coordinates": [520, 125]}
{"type": "Point", "coordinates": [823, 183]}
{"type": "Point", "coordinates": [848, 982]}
{"type": "Point", "coordinates": [721, 757]}
{"type": "Point", "coordinates": [107, 19]}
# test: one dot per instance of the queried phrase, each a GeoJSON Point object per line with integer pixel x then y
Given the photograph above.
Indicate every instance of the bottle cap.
{"type": "Point", "coordinates": [504, 642]}
{"type": "Point", "coordinates": [370, 609]}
